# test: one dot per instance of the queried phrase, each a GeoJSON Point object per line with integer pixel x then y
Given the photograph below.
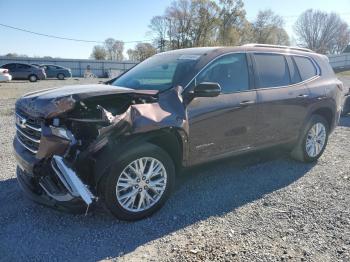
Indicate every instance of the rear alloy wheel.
{"type": "Point", "coordinates": [139, 182]}
{"type": "Point", "coordinates": [313, 140]}
{"type": "Point", "coordinates": [60, 76]}
{"type": "Point", "coordinates": [33, 78]}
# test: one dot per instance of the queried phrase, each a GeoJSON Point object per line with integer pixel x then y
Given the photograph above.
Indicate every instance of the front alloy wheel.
{"type": "Point", "coordinates": [141, 184]}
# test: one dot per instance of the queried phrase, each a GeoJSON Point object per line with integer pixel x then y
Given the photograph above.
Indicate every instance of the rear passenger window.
{"type": "Point", "coordinates": [272, 70]}
{"type": "Point", "coordinates": [23, 66]}
{"type": "Point", "coordinates": [293, 71]}
{"type": "Point", "coordinates": [306, 67]}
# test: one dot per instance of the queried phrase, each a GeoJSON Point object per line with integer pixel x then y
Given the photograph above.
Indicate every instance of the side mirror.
{"type": "Point", "coordinates": [207, 89]}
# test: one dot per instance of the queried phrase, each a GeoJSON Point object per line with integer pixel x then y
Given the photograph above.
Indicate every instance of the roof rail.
{"type": "Point", "coordinates": [280, 46]}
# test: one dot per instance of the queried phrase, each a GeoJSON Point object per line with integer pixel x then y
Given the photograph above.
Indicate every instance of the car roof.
{"type": "Point", "coordinates": [15, 63]}
{"type": "Point", "coordinates": [51, 65]}
{"type": "Point", "coordinates": [190, 51]}
{"type": "Point", "coordinates": [219, 50]}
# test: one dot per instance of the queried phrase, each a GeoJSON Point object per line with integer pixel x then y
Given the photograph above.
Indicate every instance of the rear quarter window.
{"type": "Point", "coordinates": [306, 67]}
{"type": "Point", "coordinates": [9, 66]}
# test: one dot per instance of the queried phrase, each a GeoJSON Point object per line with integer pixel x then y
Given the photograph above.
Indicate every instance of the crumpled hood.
{"type": "Point", "coordinates": [55, 101]}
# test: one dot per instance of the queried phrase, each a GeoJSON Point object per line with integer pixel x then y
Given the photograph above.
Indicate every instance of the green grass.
{"type": "Point", "coordinates": [345, 73]}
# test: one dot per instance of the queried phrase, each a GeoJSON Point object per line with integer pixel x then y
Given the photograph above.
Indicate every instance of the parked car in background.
{"type": "Point", "coordinates": [4, 75]}
{"type": "Point", "coordinates": [54, 71]}
{"type": "Point", "coordinates": [346, 105]}
{"type": "Point", "coordinates": [123, 143]}
{"type": "Point", "coordinates": [25, 71]}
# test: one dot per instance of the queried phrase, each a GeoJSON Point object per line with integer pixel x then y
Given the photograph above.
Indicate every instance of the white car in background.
{"type": "Point", "coordinates": [4, 75]}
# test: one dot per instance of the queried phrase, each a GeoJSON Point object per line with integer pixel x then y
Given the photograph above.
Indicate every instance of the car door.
{"type": "Point", "coordinates": [23, 71]}
{"type": "Point", "coordinates": [52, 71]}
{"type": "Point", "coordinates": [282, 98]}
{"type": "Point", "coordinates": [226, 123]}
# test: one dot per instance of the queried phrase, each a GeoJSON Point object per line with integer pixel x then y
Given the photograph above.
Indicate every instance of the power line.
{"type": "Point", "coordinates": [67, 38]}
{"type": "Point", "coordinates": [101, 42]}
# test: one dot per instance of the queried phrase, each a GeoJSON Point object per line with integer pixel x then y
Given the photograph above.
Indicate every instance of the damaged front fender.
{"type": "Point", "coordinates": [168, 111]}
{"type": "Point", "coordinates": [162, 122]}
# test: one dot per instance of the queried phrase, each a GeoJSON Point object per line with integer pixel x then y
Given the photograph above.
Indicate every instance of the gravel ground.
{"type": "Point", "coordinates": [262, 206]}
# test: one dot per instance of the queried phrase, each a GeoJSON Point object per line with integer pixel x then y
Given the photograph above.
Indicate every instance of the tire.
{"type": "Point", "coordinates": [345, 111]}
{"type": "Point", "coordinates": [113, 190]}
{"type": "Point", "coordinates": [60, 76]}
{"type": "Point", "coordinates": [300, 151]}
{"type": "Point", "coordinates": [32, 78]}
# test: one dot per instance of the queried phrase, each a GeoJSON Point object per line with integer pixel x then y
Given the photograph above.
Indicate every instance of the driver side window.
{"type": "Point", "coordinates": [230, 71]}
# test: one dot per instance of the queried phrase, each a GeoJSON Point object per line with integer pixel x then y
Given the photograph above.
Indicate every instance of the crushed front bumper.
{"type": "Point", "coordinates": [52, 183]}
{"type": "Point", "coordinates": [34, 192]}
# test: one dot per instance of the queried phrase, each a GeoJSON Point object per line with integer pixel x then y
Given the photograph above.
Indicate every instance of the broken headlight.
{"type": "Point", "coordinates": [61, 132]}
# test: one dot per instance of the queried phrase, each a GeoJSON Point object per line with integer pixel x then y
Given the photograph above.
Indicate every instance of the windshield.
{"type": "Point", "coordinates": [160, 72]}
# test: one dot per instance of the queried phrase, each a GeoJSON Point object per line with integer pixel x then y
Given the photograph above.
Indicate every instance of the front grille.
{"type": "Point", "coordinates": [28, 131]}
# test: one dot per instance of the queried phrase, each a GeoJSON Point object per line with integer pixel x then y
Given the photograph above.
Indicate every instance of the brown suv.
{"type": "Point", "coordinates": [124, 141]}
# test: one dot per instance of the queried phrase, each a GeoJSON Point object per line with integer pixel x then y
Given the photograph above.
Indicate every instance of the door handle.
{"type": "Point", "coordinates": [247, 102]}
{"type": "Point", "coordinates": [302, 95]}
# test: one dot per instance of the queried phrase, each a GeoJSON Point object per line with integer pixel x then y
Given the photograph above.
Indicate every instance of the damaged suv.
{"type": "Point", "coordinates": [124, 141]}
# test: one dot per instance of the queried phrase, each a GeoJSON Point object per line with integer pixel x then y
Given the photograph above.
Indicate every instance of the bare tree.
{"type": "Point", "coordinates": [180, 15]}
{"type": "Point", "coordinates": [118, 49]}
{"type": "Point", "coordinates": [159, 26]}
{"type": "Point", "coordinates": [186, 23]}
{"type": "Point", "coordinates": [109, 43]}
{"type": "Point", "coordinates": [114, 49]}
{"type": "Point", "coordinates": [12, 55]}
{"type": "Point", "coordinates": [191, 23]}
{"type": "Point", "coordinates": [268, 29]}
{"type": "Point", "coordinates": [342, 40]}
{"type": "Point", "coordinates": [204, 22]}
{"type": "Point", "coordinates": [322, 32]}
{"type": "Point", "coordinates": [232, 22]}
{"type": "Point", "coordinates": [141, 52]}
{"type": "Point", "coordinates": [131, 54]}
{"type": "Point", "coordinates": [98, 53]}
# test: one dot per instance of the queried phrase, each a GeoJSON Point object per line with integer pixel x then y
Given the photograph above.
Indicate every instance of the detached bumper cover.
{"type": "Point", "coordinates": [71, 181]}
{"type": "Point", "coordinates": [52, 184]}
{"type": "Point", "coordinates": [34, 192]}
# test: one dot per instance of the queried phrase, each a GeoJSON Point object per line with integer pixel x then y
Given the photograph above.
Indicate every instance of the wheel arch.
{"type": "Point", "coordinates": [326, 108]}
{"type": "Point", "coordinates": [60, 73]}
{"type": "Point", "coordinates": [33, 74]}
{"type": "Point", "coordinates": [172, 140]}
{"type": "Point", "coordinates": [327, 113]}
